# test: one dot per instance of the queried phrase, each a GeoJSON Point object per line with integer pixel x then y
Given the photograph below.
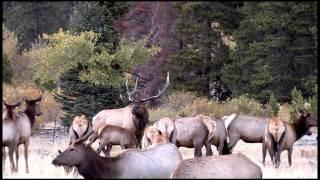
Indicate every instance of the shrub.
{"type": "Point", "coordinates": [7, 70]}
{"type": "Point", "coordinates": [273, 105]}
{"type": "Point", "coordinates": [313, 101]}
{"type": "Point", "coordinates": [297, 103]}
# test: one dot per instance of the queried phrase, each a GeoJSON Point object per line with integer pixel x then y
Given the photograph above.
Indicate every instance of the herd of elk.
{"type": "Point", "coordinates": [158, 156]}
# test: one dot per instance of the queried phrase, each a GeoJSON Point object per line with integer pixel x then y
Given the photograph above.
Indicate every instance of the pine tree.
{"type": "Point", "coordinates": [29, 19]}
{"type": "Point", "coordinates": [273, 105]}
{"type": "Point", "coordinates": [99, 17]}
{"type": "Point", "coordinates": [275, 52]}
{"type": "Point", "coordinates": [78, 97]}
{"type": "Point", "coordinates": [203, 53]}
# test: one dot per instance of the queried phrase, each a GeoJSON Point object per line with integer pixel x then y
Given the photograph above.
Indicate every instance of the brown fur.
{"type": "Point", "coordinates": [294, 131]}
{"type": "Point", "coordinates": [248, 128]}
{"type": "Point", "coordinates": [188, 132]}
{"type": "Point", "coordinates": [273, 139]}
{"type": "Point", "coordinates": [10, 132]}
{"type": "Point", "coordinates": [113, 135]}
{"type": "Point", "coordinates": [133, 117]}
{"type": "Point", "coordinates": [156, 162]}
{"type": "Point", "coordinates": [25, 122]}
{"type": "Point", "coordinates": [79, 127]}
{"type": "Point", "coordinates": [232, 166]}
{"type": "Point", "coordinates": [155, 136]}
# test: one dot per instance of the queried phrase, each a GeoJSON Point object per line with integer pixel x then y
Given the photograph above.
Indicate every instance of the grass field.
{"type": "Point", "coordinates": [42, 151]}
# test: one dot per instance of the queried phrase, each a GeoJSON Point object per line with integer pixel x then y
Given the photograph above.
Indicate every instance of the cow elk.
{"type": "Point", "coordinates": [133, 117]}
{"type": "Point", "coordinates": [293, 132]}
{"type": "Point", "coordinates": [114, 135]}
{"type": "Point", "coordinates": [10, 133]}
{"type": "Point", "coordinates": [158, 161]}
{"type": "Point", "coordinates": [232, 166]}
{"type": "Point", "coordinates": [80, 126]}
{"type": "Point", "coordinates": [274, 139]}
{"type": "Point", "coordinates": [248, 128]}
{"type": "Point", "coordinates": [25, 122]}
{"type": "Point", "coordinates": [190, 132]}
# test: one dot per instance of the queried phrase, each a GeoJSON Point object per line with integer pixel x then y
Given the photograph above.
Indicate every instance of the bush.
{"type": "Point", "coordinates": [181, 104]}
{"type": "Point", "coordinates": [313, 101]}
{"type": "Point", "coordinates": [297, 103]}
{"type": "Point", "coordinates": [273, 105]}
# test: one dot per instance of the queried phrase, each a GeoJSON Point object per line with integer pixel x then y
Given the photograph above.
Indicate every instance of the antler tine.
{"type": "Point", "coordinates": [160, 91]}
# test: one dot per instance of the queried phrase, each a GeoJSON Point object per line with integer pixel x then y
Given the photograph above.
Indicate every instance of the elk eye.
{"type": "Point", "coordinates": [72, 149]}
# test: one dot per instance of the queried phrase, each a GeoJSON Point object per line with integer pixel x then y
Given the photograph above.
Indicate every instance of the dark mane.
{"type": "Point", "coordinates": [300, 126]}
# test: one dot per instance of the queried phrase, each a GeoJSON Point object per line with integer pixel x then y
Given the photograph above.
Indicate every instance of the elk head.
{"type": "Point", "coordinates": [33, 106]}
{"type": "Point", "coordinates": [9, 108]}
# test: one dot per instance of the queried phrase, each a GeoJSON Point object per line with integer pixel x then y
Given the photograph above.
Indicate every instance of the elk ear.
{"type": "Point", "coordinates": [4, 102]}
{"type": "Point", "coordinates": [25, 98]}
{"type": "Point", "coordinates": [17, 104]}
{"type": "Point", "coordinates": [39, 98]}
{"type": "Point", "coordinates": [83, 116]}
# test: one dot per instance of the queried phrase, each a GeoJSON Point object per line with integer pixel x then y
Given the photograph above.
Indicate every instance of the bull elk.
{"type": "Point", "coordinates": [134, 117]}
{"type": "Point", "coordinates": [10, 133]}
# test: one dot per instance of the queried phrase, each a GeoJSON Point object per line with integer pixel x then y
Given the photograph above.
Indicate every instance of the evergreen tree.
{"type": "Point", "coordinates": [79, 97]}
{"type": "Point", "coordinates": [273, 105]}
{"type": "Point", "coordinates": [29, 19]}
{"type": "Point", "coordinates": [275, 50]}
{"type": "Point", "coordinates": [203, 53]}
{"type": "Point", "coordinates": [99, 17]}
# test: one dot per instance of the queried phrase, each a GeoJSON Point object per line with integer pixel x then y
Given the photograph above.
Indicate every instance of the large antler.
{"type": "Point", "coordinates": [137, 100]}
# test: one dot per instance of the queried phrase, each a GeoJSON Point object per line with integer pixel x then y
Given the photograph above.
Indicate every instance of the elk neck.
{"type": "Point", "coordinates": [96, 166]}
{"type": "Point", "coordinates": [31, 116]}
{"type": "Point", "coordinates": [300, 127]}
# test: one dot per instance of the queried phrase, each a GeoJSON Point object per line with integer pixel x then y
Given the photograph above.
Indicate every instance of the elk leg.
{"type": "Point", "coordinates": [11, 151]}
{"type": "Point", "coordinates": [271, 154]}
{"type": "Point", "coordinates": [197, 149]}
{"type": "Point", "coordinates": [26, 145]}
{"type": "Point", "coordinates": [208, 148]}
{"type": "Point", "coordinates": [107, 151]}
{"type": "Point", "coordinates": [289, 156]}
{"type": "Point", "coordinates": [3, 157]}
{"type": "Point", "coordinates": [233, 141]}
{"type": "Point", "coordinates": [278, 159]}
{"type": "Point", "coordinates": [264, 152]}
{"type": "Point", "coordinates": [17, 157]}
{"type": "Point", "coordinates": [101, 147]}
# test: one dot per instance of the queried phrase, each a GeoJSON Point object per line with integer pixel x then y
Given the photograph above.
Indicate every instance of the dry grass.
{"type": "Point", "coordinates": [42, 151]}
